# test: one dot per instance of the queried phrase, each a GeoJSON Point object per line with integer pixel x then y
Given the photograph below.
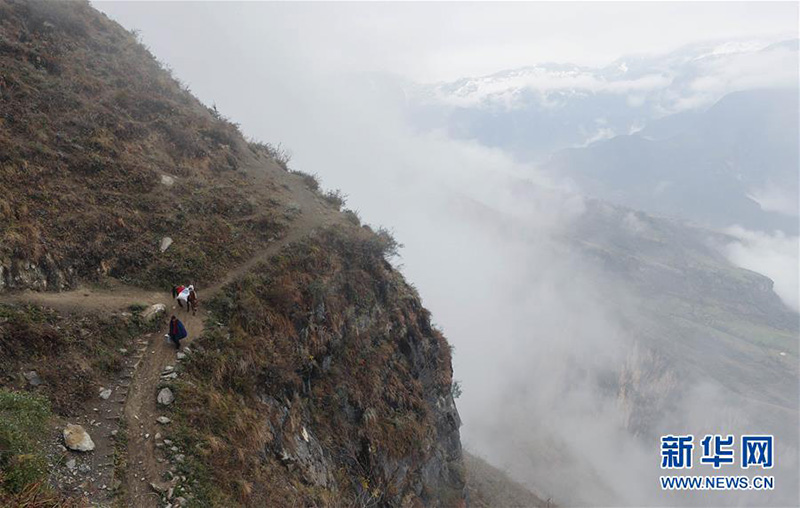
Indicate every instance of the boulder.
{"type": "Point", "coordinates": [154, 311]}
{"type": "Point", "coordinates": [165, 243]}
{"type": "Point", "coordinates": [166, 397]}
{"type": "Point", "coordinates": [76, 438]}
{"type": "Point", "coordinates": [33, 378]}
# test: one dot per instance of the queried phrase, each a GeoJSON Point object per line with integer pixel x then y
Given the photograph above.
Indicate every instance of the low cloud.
{"type": "Point", "coordinates": [774, 198]}
{"type": "Point", "coordinates": [775, 255]}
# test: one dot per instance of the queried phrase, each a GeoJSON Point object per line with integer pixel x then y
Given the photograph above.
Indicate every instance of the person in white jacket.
{"type": "Point", "coordinates": [183, 297]}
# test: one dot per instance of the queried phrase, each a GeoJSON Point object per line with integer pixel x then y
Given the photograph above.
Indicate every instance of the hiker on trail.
{"type": "Point", "coordinates": [177, 332]}
{"type": "Point", "coordinates": [183, 296]}
{"type": "Point", "coordinates": [176, 290]}
{"type": "Point", "coordinates": [192, 301]}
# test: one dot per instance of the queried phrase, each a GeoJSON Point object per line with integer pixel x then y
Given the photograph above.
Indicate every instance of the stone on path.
{"type": "Point", "coordinates": [163, 420]}
{"type": "Point", "coordinates": [105, 393]}
{"type": "Point", "coordinates": [76, 438]}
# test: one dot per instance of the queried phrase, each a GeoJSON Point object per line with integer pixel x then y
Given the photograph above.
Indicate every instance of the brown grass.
{"type": "Point", "coordinates": [333, 299]}
{"type": "Point", "coordinates": [90, 123]}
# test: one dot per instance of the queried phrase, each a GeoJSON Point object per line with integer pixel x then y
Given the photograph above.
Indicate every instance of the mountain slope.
{"type": "Point", "coordinates": [533, 111]}
{"type": "Point", "coordinates": [722, 167]}
{"type": "Point", "coordinates": [313, 375]}
{"type": "Point", "coordinates": [103, 154]}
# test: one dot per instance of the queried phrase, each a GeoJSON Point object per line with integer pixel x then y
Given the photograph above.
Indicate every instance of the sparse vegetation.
{"type": "Point", "coordinates": [311, 181]}
{"type": "Point", "coordinates": [455, 389]}
{"type": "Point", "coordinates": [83, 154]}
{"type": "Point", "coordinates": [23, 420]}
{"type": "Point", "coordinates": [71, 354]}
{"type": "Point", "coordinates": [303, 343]}
{"type": "Point", "coordinates": [335, 198]}
{"type": "Point", "coordinates": [278, 153]}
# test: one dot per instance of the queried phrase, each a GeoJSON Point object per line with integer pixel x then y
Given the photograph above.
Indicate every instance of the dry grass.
{"type": "Point", "coordinates": [90, 123]}
{"type": "Point", "coordinates": [72, 354]}
{"type": "Point", "coordinates": [323, 337]}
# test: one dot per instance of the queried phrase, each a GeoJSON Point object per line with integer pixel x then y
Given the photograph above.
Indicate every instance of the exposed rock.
{"type": "Point", "coordinates": [76, 438]}
{"type": "Point", "coordinates": [105, 393]}
{"type": "Point", "coordinates": [154, 311]}
{"type": "Point", "coordinates": [166, 397]}
{"type": "Point", "coordinates": [40, 275]}
{"type": "Point", "coordinates": [33, 378]}
{"type": "Point", "coordinates": [165, 243]}
{"type": "Point", "coordinates": [180, 356]}
{"type": "Point", "coordinates": [309, 456]}
{"type": "Point", "coordinates": [158, 487]}
{"type": "Point", "coordinates": [163, 420]}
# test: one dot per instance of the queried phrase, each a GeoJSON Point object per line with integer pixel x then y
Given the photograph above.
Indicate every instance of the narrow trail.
{"type": "Point", "coordinates": [138, 385]}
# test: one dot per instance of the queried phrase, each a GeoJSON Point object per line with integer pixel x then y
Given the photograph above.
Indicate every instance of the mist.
{"type": "Point", "coordinates": [541, 336]}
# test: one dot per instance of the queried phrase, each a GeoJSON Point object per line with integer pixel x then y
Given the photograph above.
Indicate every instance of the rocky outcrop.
{"type": "Point", "coordinates": [154, 311]}
{"type": "Point", "coordinates": [41, 275]}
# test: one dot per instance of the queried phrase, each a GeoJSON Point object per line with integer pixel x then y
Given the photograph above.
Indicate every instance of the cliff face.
{"type": "Point", "coordinates": [329, 353]}
{"type": "Point", "coordinates": [314, 376]}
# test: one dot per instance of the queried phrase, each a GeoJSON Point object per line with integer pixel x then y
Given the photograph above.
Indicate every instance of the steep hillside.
{"type": "Point", "coordinates": [312, 375]}
{"type": "Point", "coordinates": [103, 154]}
{"type": "Point", "coordinates": [490, 487]}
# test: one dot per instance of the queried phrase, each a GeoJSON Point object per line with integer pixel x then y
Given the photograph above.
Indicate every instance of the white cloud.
{"type": "Point", "coordinates": [774, 198]}
{"type": "Point", "coordinates": [777, 256]}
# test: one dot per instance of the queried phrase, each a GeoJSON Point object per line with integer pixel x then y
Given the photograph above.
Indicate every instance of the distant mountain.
{"type": "Point", "coordinates": [735, 163]}
{"type": "Point", "coordinates": [532, 111]}
{"type": "Point", "coordinates": [705, 345]}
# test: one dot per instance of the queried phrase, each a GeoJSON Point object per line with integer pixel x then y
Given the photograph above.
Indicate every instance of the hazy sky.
{"type": "Point", "coordinates": [443, 41]}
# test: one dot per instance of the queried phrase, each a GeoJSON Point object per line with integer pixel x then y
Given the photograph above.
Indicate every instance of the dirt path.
{"type": "Point", "coordinates": [138, 388]}
{"type": "Point", "coordinates": [141, 410]}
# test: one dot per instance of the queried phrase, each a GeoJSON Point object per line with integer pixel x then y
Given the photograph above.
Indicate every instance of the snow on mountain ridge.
{"type": "Point", "coordinates": [679, 79]}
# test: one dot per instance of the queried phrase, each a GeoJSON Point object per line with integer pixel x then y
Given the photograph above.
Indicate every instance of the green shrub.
{"type": "Point", "coordinates": [23, 417]}
{"type": "Point", "coordinates": [137, 307]}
